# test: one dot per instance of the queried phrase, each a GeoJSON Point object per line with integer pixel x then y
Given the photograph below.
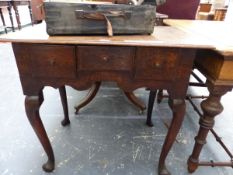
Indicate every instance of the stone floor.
{"type": "Point", "coordinates": [108, 137]}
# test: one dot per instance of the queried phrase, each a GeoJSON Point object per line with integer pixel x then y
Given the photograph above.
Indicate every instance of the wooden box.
{"type": "Point", "coordinates": [93, 18]}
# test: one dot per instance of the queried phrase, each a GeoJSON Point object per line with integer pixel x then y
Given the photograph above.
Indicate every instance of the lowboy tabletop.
{"type": "Point", "coordinates": [163, 36]}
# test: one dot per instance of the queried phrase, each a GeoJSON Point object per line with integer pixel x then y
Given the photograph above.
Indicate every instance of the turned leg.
{"type": "Point", "coordinates": [66, 120]}
{"type": "Point", "coordinates": [32, 105]}
{"type": "Point", "coordinates": [178, 110]}
{"type": "Point", "coordinates": [3, 20]}
{"type": "Point", "coordinates": [17, 15]}
{"type": "Point", "coordinates": [90, 95]}
{"type": "Point", "coordinates": [160, 96]}
{"type": "Point", "coordinates": [150, 107]}
{"type": "Point", "coordinates": [210, 107]}
{"type": "Point", "coordinates": [30, 12]}
{"type": "Point", "coordinates": [135, 101]}
{"type": "Point", "coordinates": [10, 15]}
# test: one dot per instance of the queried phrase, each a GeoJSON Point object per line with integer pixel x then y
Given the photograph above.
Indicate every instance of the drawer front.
{"type": "Point", "coordinates": [156, 63]}
{"type": "Point", "coordinates": [53, 61]}
{"type": "Point", "coordinates": [102, 58]}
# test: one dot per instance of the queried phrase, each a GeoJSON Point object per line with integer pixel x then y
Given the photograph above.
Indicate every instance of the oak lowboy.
{"type": "Point", "coordinates": [82, 65]}
{"type": "Point", "coordinates": [160, 61]}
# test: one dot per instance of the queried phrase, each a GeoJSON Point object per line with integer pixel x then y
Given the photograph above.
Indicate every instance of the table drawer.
{"type": "Point", "coordinates": [102, 58]}
{"type": "Point", "coordinates": [53, 61]}
{"type": "Point", "coordinates": [156, 63]}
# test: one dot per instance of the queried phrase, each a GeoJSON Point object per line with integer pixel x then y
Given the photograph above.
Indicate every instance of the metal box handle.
{"type": "Point", "coordinates": [103, 16]}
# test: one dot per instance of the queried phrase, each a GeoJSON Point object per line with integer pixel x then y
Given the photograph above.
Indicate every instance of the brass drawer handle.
{"type": "Point", "coordinates": [105, 58]}
{"type": "Point", "coordinates": [52, 62]}
{"type": "Point", "coordinates": [157, 65]}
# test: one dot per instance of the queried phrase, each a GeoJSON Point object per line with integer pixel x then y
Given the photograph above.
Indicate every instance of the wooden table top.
{"type": "Point", "coordinates": [219, 33]}
{"type": "Point", "coordinates": [163, 36]}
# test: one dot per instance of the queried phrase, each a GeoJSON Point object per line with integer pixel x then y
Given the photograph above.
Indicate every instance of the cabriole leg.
{"type": "Point", "coordinates": [32, 106]}
{"type": "Point", "coordinates": [90, 95]}
{"type": "Point", "coordinates": [178, 110]}
{"type": "Point", "coordinates": [131, 96]}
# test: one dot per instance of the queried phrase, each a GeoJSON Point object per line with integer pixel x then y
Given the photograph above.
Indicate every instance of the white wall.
{"type": "Point", "coordinates": [229, 15]}
{"type": "Point", "coordinates": [216, 3]}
